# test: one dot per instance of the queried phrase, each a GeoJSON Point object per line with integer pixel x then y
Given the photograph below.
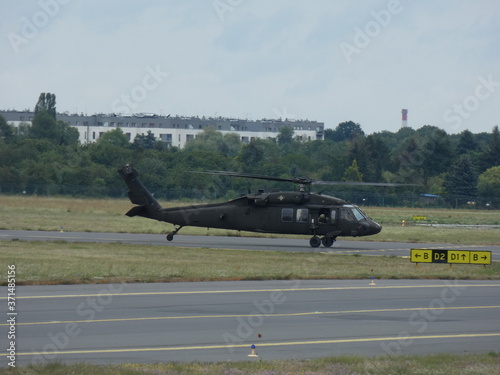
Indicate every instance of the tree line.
{"type": "Point", "coordinates": [47, 159]}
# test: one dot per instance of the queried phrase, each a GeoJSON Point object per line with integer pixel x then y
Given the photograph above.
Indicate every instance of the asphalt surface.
{"type": "Point", "coordinates": [220, 321]}
{"type": "Point", "coordinates": [241, 243]}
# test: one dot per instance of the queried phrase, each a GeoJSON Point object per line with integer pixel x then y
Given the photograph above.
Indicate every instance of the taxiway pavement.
{"type": "Point", "coordinates": [219, 321]}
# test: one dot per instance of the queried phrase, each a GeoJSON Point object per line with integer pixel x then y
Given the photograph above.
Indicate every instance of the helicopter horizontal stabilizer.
{"type": "Point", "coordinates": [137, 211]}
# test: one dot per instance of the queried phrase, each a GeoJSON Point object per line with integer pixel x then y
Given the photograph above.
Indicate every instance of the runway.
{"type": "Point", "coordinates": [241, 243]}
{"type": "Point", "coordinates": [219, 321]}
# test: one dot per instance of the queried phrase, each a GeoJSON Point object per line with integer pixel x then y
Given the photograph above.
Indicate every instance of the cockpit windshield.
{"type": "Point", "coordinates": [358, 214]}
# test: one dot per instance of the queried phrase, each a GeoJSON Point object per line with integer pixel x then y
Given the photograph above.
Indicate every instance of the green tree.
{"type": "Point", "coordinates": [44, 126]}
{"type": "Point", "coordinates": [352, 173]}
{"type": "Point", "coordinates": [6, 131]}
{"type": "Point", "coordinates": [491, 156]}
{"type": "Point", "coordinates": [233, 144]}
{"type": "Point", "coordinates": [372, 156]}
{"type": "Point", "coordinates": [466, 143]}
{"type": "Point", "coordinates": [489, 182]}
{"type": "Point", "coordinates": [112, 149]}
{"type": "Point", "coordinates": [144, 142]}
{"type": "Point", "coordinates": [285, 137]}
{"type": "Point", "coordinates": [115, 137]}
{"type": "Point", "coordinates": [461, 180]}
{"type": "Point", "coordinates": [251, 154]}
{"type": "Point", "coordinates": [427, 131]}
{"type": "Point", "coordinates": [328, 159]}
{"type": "Point", "coordinates": [68, 135]}
{"type": "Point", "coordinates": [345, 131]}
{"type": "Point", "coordinates": [46, 102]}
{"type": "Point", "coordinates": [212, 140]}
{"type": "Point", "coordinates": [409, 161]}
{"type": "Point", "coordinates": [438, 152]}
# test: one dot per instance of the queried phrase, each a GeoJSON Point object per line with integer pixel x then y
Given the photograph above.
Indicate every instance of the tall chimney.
{"type": "Point", "coordinates": [404, 119]}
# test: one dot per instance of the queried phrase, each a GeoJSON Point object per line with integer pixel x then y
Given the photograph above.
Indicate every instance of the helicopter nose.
{"type": "Point", "coordinates": [376, 227]}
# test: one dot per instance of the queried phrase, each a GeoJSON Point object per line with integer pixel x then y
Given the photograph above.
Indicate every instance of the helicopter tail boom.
{"type": "Point", "coordinates": [148, 206]}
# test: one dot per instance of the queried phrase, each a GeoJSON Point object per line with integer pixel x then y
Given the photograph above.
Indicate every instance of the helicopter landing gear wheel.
{"type": "Point", "coordinates": [327, 241]}
{"type": "Point", "coordinates": [315, 241]}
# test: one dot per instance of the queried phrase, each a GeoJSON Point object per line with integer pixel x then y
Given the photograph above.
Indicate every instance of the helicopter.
{"type": "Point", "coordinates": [301, 212]}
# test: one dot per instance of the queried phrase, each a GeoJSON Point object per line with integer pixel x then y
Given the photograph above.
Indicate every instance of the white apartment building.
{"type": "Point", "coordinates": [174, 130]}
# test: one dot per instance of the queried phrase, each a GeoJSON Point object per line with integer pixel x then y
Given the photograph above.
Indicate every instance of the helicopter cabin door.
{"type": "Point", "coordinates": [324, 220]}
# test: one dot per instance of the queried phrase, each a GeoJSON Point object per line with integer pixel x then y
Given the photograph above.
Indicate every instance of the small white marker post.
{"type": "Point", "coordinates": [253, 354]}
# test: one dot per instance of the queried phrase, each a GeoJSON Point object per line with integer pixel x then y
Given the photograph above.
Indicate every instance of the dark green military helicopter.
{"type": "Point", "coordinates": [322, 217]}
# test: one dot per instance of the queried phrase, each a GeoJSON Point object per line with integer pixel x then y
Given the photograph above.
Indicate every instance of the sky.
{"type": "Point", "coordinates": [325, 60]}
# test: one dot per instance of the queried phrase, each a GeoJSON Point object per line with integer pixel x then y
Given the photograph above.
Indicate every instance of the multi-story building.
{"type": "Point", "coordinates": [174, 130]}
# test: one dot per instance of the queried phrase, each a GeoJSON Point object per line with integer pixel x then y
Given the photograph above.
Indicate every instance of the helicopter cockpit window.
{"type": "Point", "coordinates": [346, 214]}
{"type": "Point", "coordinates": [357, 214]}
{"type": "Point", "coordinates": [302, 215]}
{"type": "Point", "coordinates": [287, 215]}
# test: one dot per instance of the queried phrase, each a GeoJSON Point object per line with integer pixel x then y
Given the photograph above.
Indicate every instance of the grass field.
{"type": "Point", "coordinates": [75, 263]}
{"type": "Point", "coordinates": [440, 364]}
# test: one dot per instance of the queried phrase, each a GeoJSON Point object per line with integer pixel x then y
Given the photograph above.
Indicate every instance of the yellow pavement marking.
{"type": "Point", "coordinates": [340, 312]}
{"type": "Point", "coordinates": [264, 344]}
{"type": "Point", "coordinates": [253, 290]}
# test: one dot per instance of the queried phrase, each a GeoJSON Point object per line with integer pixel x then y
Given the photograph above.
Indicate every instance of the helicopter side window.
{"type": "Point", "coordinates": [333, 216]}
{"type": "Point", "coordinates": [287, 215]}
{"type": "Point", "coordinates": [302, 215]}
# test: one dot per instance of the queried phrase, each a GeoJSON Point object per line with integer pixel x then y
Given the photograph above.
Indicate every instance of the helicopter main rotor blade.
{"type": "Point", "coordinates": [296, 180]}
{"type": "Point", "coordinates": [360, 183]}
{"type": "Point", "coordinates": [300, 180]}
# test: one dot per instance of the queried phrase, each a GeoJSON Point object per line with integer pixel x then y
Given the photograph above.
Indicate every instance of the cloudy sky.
{"type": "Point", "coordinates": [325, 60]}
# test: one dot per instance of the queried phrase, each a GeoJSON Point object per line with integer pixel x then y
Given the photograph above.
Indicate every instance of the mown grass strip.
{"type": "Point", "coordinates": [77, 263]}
{"type": "Point", "coordinates": [439, 364]}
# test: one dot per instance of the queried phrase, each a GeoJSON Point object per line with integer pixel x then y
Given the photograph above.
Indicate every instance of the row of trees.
{"type": "Point", "coordinates": [46, 158]}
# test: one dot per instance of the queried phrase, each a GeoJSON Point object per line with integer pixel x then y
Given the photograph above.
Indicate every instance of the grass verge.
{"type": "Point", "coordinates": [76, 263]}
{"type": "Point", "coordinates": [440, 364]}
